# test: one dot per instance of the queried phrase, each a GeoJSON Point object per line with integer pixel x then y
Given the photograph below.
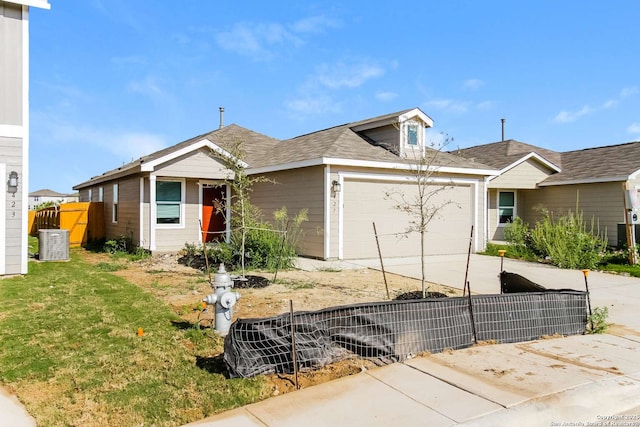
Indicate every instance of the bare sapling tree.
{"type": "Point", "coordinates": [243, 214]}
{"type": "Point", "coordinates": [424, 202]}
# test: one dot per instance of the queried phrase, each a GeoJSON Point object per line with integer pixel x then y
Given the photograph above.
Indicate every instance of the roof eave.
{"type": "Point", "coordinates": [585, 181]}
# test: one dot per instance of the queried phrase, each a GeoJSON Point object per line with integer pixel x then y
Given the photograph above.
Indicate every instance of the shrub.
{"type": "Point", "coordinates": [598, 321]}
{"type": "Point", "coordinates": [567, 242]}
{"type": "Point", "coordinates": [518, 234]}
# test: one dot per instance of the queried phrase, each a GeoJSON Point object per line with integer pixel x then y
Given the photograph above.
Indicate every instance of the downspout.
{"type": "Point", "coordinates": [141, 216]}
{"type": "Point", "coordinates": [327, 212]}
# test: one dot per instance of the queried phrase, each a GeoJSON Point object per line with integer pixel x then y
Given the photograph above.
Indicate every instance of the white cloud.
{"type": "Point", "coordinates": [315, 24]}
{"type": "Point", "coordinates": [256, 40]}
{"type": "Point", "coordinates": [449, 105]}
{"type": "Point", "coordinates": [386, 96]}
{"type": "Point", "coordinates": [485, 105]}
{"type": "Point", "coordinates": [341, 75]}
{"type": "Point", "coordinates": [634, 128]}
{"type": "Point", "coordinates": [149, 86]}
{"type": "Point", "coordinates": [629, 91]}
{"type": "Point", "coordinates": [472, 84]}
{"type": "Point", "coordinates": [309, 104]}
{"type": "Point", "coordinates": [572, 116]}
{"type": "Point", "coordinates": [565, 116]}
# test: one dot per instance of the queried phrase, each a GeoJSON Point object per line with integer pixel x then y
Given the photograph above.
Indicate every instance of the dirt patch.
{"type": "Point", "coordinates": [183, 289]}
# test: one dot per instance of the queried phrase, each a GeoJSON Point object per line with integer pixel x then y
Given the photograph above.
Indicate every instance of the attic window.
{"type": "Point", "coordinates": [411, 134]}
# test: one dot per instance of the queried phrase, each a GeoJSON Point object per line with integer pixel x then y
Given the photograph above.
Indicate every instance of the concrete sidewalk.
{"type": "Point", "coordinates": [578, 379]}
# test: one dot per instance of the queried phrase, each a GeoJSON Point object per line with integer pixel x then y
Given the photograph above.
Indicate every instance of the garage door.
{"type": "Point", "coordinates": [366, 202]}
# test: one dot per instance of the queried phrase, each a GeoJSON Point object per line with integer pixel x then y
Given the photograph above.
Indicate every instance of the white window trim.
{"type": "Point", "coordinates": [405, 134]}
{"type": "Point", "coordinates": [515, 206]}
{"type": "Point", "coordinates": [100, 194]}
{"type": "Point", "coordinates": [183, 186]}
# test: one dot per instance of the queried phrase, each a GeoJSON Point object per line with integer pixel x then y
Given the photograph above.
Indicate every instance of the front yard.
{"type": "Point", "coordinates": [72, 354]}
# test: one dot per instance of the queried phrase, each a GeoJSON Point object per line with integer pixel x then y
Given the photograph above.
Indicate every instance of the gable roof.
{"type": "Point", "coordinates": [618, 162]}
{"type": "Point", "coordinates": [341, 145]}
{"type": "Point", "coordinates": [501, 155]}
{"type": "Point", "coordinates": [45, 192]}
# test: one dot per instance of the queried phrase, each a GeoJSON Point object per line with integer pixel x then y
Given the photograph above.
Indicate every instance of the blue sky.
{"type": "Point", "coordinates": [112, 80]}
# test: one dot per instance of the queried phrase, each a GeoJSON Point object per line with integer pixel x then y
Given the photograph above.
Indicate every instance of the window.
{"type": "Point", "coordinates": [168, 202]}
{"type": "Point", "coordinates": [90, 194]}
{"type": "Point", "coordinates": [100, 194]}
{"type": "Point", "coordinates": [115, 203]}
{"type": "Point", "coordinates": [506, 206]}
{"type": "Point", "coordinates": [412, 134]}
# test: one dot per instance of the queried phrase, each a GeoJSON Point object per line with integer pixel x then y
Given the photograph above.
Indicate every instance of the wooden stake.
{"type": "Point", "coordinates": [384, 275]}
{"type": "Point", "coordinates": [294, 356]}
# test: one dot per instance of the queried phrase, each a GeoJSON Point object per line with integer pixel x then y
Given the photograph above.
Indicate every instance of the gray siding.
{"type": "Point", "coordinates": [11, 156]}
{"type": "Point", "coordinates": [601, 201]}
{"type": "Point", "coordinates": [526, 176]}
{"type": "Point", "coordinates": [386, 136]}
{"type": "Point", "coordinates": [11, 48]}
{"type": "Point", "coordinates": [296, 189]}
{"type": "Point", "coordinates": [200, 164]}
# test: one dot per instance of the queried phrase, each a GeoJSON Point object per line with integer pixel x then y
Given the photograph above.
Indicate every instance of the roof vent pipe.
{"type": "Point", "coordinates": [221, 117]}
{"type": "Point", "coordinates": [502, 120]}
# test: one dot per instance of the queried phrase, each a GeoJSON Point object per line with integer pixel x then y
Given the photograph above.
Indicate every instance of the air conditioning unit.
{"type": "Point", "coordinates": [53, 245]}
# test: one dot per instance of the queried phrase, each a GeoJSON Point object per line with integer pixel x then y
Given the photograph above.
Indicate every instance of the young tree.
{"type": "Point", "coordinates": [243, 213]}
{"type": "Point", "coordinates": [423, 204]}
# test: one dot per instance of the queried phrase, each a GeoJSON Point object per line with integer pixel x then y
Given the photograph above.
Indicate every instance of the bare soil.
{"type": "Point", "coordinates": [183, 288]}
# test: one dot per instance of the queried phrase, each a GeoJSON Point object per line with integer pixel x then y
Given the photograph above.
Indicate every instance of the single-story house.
{"type": "Point", "coordinates": [599, 182]}
{"type": "Point", "coordinates": [14, 133]}
{"type": "Point", "coordinates": [343, 176]}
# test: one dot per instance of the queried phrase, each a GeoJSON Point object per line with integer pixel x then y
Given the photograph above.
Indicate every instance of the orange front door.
{"type": "Point", "coordinates": [213, 224]}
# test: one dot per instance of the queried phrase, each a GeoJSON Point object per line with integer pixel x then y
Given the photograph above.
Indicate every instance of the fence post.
{"type": "Point", "coordinates": [293, 345]}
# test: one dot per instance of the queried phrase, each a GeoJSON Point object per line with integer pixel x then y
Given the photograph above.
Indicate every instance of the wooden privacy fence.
{"type": "Point", "coordinates": [84, 220]}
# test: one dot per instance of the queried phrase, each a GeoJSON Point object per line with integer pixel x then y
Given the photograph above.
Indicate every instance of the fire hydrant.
{"type": "Point", "coordinates": [223, 299]}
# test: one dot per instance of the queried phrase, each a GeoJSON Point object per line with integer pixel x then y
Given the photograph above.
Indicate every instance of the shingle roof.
{"type": "Point", "coordinates": [504, 153]}
{"type": "Point", "coordinates": [607, 163]}
{"type": "Point", "coordinates": [47, 193]}
{"type": "Point", "coordinates": [259, 151]}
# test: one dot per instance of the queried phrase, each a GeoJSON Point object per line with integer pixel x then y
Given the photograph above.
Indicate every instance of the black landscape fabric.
{"type": "Point", "coordinates": [392, 331]}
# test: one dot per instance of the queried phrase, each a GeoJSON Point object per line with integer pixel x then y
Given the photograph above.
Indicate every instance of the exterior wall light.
{"type": "Point", "coordinates": [336, 187]}
{"type": "Point", "coordinates": [12, 184]}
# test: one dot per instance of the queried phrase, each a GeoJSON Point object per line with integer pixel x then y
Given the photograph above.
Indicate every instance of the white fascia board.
{"type": "Point", "coordinates": [416, 112]}
{"type": "Point", "coordinates": [150, 166]}
{"type": "Point", "coordinates": [635, 174]}
{"type": "Point", "coordinates": [42, 4]}
{"type": "Point", "coordinates": [531, 156]}
{"type": "Point", "coordinates": [585, 181]}
{"type": "Point", "coordinates": [366, 164]}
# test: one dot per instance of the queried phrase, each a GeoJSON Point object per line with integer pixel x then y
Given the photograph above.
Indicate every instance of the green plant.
{"type": "Point", "coordinates": [124, 246]}
{"type": "Point", "coordinates": [567, 242]}
{"type": "Point", "coordinates": [519, 236]}
{"type": "Point", "coordinates": [597, 321]}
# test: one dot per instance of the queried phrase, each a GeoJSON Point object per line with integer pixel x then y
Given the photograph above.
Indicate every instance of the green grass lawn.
{"type": "Point", "coordinates": [71, 353]}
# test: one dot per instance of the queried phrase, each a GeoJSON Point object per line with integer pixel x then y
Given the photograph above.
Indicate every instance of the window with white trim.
{"type": "Point", "coordinates": [100, 194]}
{"type": "Point", "coordinates": [169, 201]}
{"type": "Point", "coordinates": [114, 216]}
{"type": "Point", "coordinates": [90, 194]}
{"type": "Point", "coordinates": [412, 134]}
{"type": "Point", "coordinates": [506, 207]}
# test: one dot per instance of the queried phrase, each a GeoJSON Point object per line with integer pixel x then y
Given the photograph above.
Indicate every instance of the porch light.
{"type": "Point", "coordinates": [13, 182]}
{"type": "Point", "coordinates": [336, 187]}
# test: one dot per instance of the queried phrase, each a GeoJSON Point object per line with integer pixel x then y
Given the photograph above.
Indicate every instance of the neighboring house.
{"type": "Point", "coordinates": [43, 196]}
{"type": "Point", "coordinates": [14, 132]}
{"type": "Point", "coordinates": [341, 175]}
{"type": "Point", "coordinates": [534, 180]}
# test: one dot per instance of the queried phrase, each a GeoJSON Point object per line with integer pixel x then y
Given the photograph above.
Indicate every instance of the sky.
{"type": "Point", "coordinates": [113, 80]}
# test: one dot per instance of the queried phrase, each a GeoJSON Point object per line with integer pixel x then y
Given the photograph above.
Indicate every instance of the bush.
{"type": "Point", "coordinates": [566, 241]}
{"type": "Point", "coordinates": [264, 247]}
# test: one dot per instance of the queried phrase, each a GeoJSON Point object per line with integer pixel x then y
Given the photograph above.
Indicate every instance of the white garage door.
{"type": "Point", "coordinates": [366, 202]}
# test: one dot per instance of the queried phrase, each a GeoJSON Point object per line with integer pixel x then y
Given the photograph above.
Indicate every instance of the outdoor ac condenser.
{"type": "Point", "coordinates": [53, 245]}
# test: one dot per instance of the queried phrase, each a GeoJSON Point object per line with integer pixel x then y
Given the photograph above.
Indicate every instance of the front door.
{"type": "Point", "coordinates": [213, 223]}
